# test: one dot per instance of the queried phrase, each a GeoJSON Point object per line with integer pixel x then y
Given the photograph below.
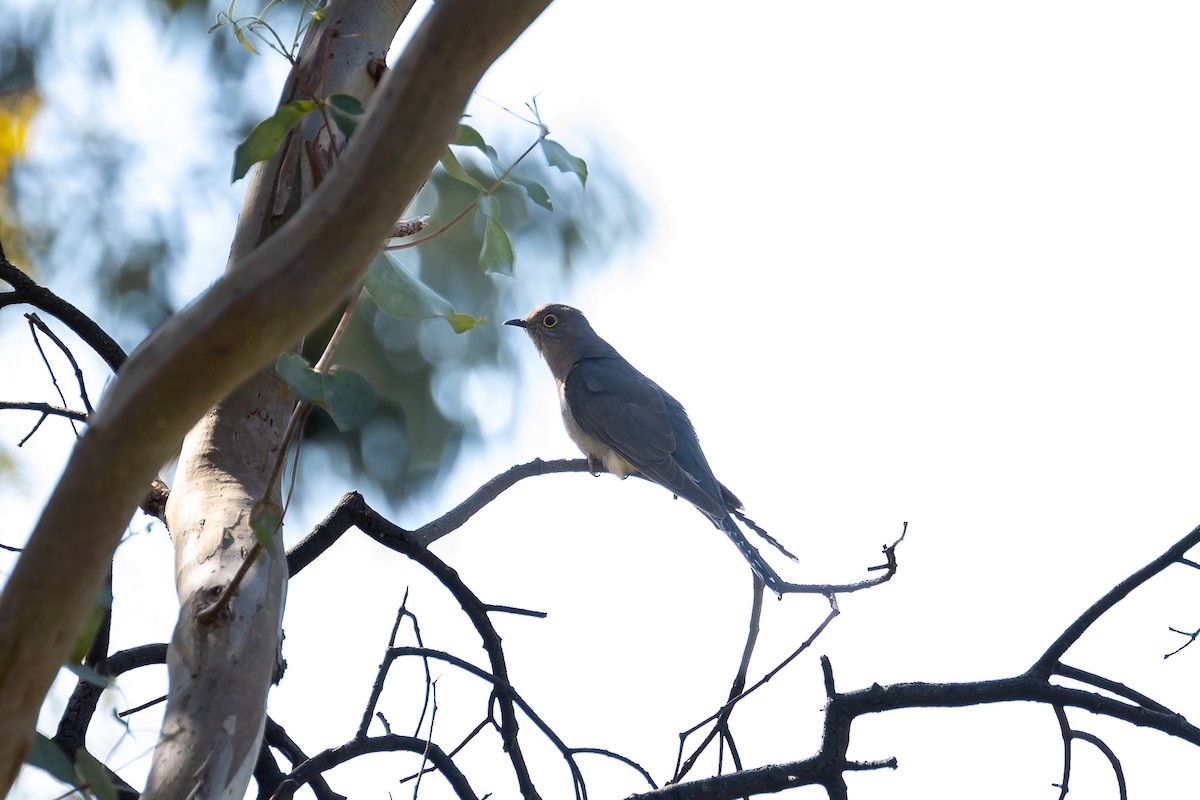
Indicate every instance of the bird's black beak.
{"type": "Point", "coordinates": [520, 323]}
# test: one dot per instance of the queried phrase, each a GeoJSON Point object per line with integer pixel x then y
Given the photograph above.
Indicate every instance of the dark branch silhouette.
{"type": "Point", "coordinates": [1085, 690]}
{"type": "Point", "coordinates": [28, 292]}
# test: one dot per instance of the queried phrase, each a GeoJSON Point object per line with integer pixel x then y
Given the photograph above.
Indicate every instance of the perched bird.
{"type": "Point", "coordinates": [627, 422]}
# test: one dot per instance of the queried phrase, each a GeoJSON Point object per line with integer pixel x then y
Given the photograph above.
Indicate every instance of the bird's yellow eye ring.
{"type": "Point", "coordinates": [549, 320]}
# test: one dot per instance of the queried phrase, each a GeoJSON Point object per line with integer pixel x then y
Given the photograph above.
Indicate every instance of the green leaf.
{"type": "Point", "coordinates": [496, 254]}
{"type": "Point", "coordinates": [92, 774]}
{"type": "Point", "coordinates": [240, 35]}
{"type": "Point", "coordinates": [346, 111]}
{"type": "Point", "coordinates": [461, 323]}
{"type": "Point", "coordinates": [402, 295]}
{"type": "Point", "coordinates": [469, 137]}
{"type": "Point", "coordinates": [455, 170]}
{"type": "Point", "coordinates": [265, 517]}
{"type": "Point", "coordinates": [45, 755]}
{"type": "Point", "coordinates": [87, 674]}
{"type": "Point", "coordinates": [536, 192]}
{"type": "Point", "coordinates": [91, 624]}
{"type": "Point", "coordinates": [344, 394]}
{"type": "Point", "coordinates": [348, 103]}
{"type": "Point", "coordinates": [268, 135]}
{"type": "Point", "coordinates": [304, 380]}
{"type": "Point", "coordinates": [350, 397]}
{"type": "Point", "coordinates": [558, 156]}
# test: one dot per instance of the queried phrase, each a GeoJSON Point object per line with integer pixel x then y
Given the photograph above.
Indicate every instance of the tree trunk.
{"type": "Point", "coordinates": [220, 671]}
{"type": "Point", "coordinates": [278, 292]}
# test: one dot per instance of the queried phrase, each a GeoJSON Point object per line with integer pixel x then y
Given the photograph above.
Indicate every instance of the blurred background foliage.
{"type": "Point", "coordinates": [118, 124]}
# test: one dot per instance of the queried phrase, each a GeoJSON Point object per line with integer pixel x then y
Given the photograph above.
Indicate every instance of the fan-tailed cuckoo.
{"type": "Point", "coordinates": [622, 419]}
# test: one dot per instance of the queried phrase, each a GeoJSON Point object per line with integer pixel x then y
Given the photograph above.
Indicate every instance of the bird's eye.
{"type": "Point", "coordinates": [549, 320]}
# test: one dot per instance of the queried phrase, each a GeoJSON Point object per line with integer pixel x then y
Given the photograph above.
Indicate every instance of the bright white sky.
{"type": "Point", "coordinates": [932, 262]}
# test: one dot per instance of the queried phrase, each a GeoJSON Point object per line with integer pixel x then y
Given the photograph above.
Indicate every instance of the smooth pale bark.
{"type": "Point", "coordinates": [279, 292]}
{"type": "Point", "coordinates": [220, 672]}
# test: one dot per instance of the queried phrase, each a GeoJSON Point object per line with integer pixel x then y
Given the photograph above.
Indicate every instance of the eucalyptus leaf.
{"type": "Point", "coordinates": [92, 773]}
{"type": "Point", "coordinates": [496, 254]}
{"type": "Point", "coordinates": [559, 157]}
{"type": "Point", "coordinates": [469, 137]}
{"type": "Point", "coordinates": [347, 103]}
{"type": "Point", "coordinates": [346, 111]}
{"type": "Point", "coordinates": [91, 624]}
{"type": "Point", "coordinates": [87, 674]}
{"type": "Point", "coordinates": [534, 190]}
{"type": "Point", "coordinates": [296, 372]}
{"type": "Point", "coordinates": [461, 323]}
{"type": "Point", "coordinates": [46, 755]}
{"type": "Point", "coordinates": [240, 35]}
{"type": "Point", "coordinates": [265, 517]}
{"type": "Point", "coordinates": [349, 396]}
{"type": "Point", "coordinates": [401, 294]}
{"type": "Point", "coordinates": [455, 170]}
{"type": "Point", "coordinates": [264, 141]}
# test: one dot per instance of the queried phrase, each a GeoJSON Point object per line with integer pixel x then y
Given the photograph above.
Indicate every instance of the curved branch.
{"type": "Point", "coordinates": [457, 516]}
{"type": "Point", "coordinates": [27, 291]}
{"type": "Point", "coordinates": [1045, 664]}
{"type": "Point", "coordinates": [1114, 762]}
{"type": "Point", "coordinates": [391, 743]}
{"type": "Point", "coordinates": [274, 736]}
{"type": "Point", "coordinates": [504, 689]}
{"type": "Point", "coordinates": [354, 511]}
{"type": "Point", "coordinates": [722, 716]}
{"type": "Point", "coordinates": [45, 408]}
{"type": "Point", "coordinates": [77, 716]}
{"type": "Point", "coordinates": [244, 320]}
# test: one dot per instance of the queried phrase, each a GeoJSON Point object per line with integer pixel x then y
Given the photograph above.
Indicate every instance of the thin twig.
{"type": "Point", "coordinates": [470, 206]}
{"type": "Point", "coordinates": [34, 325]}
{"type": "Point", "coordinates": [29, 292]}
{"type": "Point", "coordinates": [34, 319]}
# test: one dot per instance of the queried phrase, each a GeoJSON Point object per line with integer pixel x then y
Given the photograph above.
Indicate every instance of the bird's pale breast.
{"type": "Point", "coordinates": [592, 447]}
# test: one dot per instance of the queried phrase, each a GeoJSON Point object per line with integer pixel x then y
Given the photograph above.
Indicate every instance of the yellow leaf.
{"type": "Point", "coordinates": [16, 112]}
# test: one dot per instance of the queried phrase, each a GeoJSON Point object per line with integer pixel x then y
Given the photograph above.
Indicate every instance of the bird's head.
{"type": "Point", "coordinates": [561, 334]}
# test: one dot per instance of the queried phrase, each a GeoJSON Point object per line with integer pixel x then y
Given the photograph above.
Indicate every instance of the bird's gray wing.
{"type": "Point", "coordinates": [612, 402]}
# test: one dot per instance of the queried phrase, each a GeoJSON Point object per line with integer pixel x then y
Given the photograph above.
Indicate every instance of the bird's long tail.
{"type": "Point", "coordinates": [761, 568]}
{"type": "Point", "coordinates": [768, 538]}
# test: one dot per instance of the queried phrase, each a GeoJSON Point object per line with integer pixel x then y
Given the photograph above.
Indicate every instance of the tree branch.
{"type": "Point", "coordinates": [1045, 665]}
{"type": "Point", "coordinates": [292, 280]}
{"type": "Point", "coordinates": [28, 292]}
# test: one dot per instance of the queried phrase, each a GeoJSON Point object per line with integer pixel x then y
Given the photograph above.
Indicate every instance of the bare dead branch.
{"type": "Point", "coordinates": [353, 510]}
{"type": "Point", "coordinates": [721, 718]}
{"type": "Point", "coordinates": [1115, 762]}
{"type": "Point", "coordinates": [36, 322]}
{"type": "Point", "coordinates": [1100, 682]}
{"type": "Point", "coordinates": [45, 408]}
{"type": "Point", "coordinates": [276, 737]}
{"type": "Point", "coordinates": [381, 673]}
{"type": "Point", "coordinates": [1045, 665]}
{"type": "Point", "coordinates": [504, 689]}
{"type": "Point", "coordinates": [81, 707]}
{"type": "Point", "coordinates": [456, 517]}
{"type": "Point", "coordinates": [26, 291]}
{"type": "Point", "coordinates": [1191, 638]}
{"type": "Point", "coordinates": [1064, 729]}
{"type": "Point", "coordinates": [392, 743]}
